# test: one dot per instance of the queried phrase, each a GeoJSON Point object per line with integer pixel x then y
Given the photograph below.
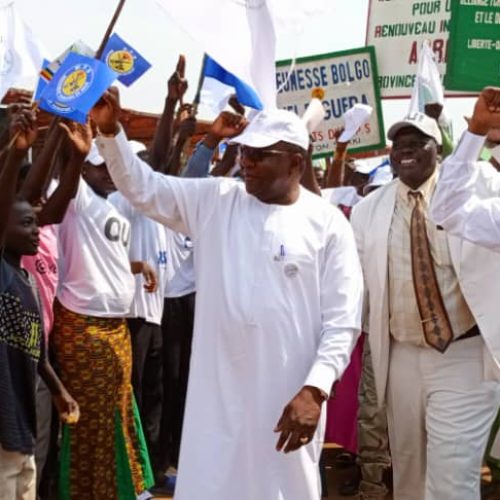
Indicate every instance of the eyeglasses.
{"type": "Point", "coordinates": [255, 155]}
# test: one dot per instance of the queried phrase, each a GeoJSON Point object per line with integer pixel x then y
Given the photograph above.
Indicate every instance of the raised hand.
{"type": "Point", "coordinates": [236, 105]}
{"type": "Point", "coordinates": [228, 125]}
{"type": "Point", "coordinates": [486, 111]}
{"type": "Point", "coordinates": [177, 84]}
{"type": "Point", "coordinates": [433, 110]}
{"type": "Point", "coordinates": [23, 128]}
{"type": "Point", "coordinates": [79, 135]}
{"type": "Point", "coordinates": [106, 112]}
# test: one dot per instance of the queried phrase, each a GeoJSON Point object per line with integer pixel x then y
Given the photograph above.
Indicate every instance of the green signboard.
{"type": "Point", "coordinates": [474, 45]}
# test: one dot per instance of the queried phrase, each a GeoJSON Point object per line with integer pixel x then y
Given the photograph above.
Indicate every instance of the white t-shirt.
{"type": "Point", "coordinates": [180, 265]}
{"type": "Point", "coordinates": [148, 242]}
{"type": "Point", "coordinates": [94, 267]}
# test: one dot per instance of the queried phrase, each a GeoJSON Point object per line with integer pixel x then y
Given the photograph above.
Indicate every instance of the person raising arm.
{"type": "Point", "coordinates": [467, 198]}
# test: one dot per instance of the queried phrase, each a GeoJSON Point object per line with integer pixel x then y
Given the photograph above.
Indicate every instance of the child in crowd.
{"type": "Point", "coordinates": [22, 345]}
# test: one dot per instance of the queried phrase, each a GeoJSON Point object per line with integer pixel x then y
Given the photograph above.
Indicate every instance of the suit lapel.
{"type": "Point", "coordinates": [378, 231]}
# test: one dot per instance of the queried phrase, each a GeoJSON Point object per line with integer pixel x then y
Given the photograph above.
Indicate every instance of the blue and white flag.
{"type": "Point", "coordinates": [76, 87]}
{"type": "Point", "coordinates": [125, 60]}
{"type": "Point", "coordinates": [219, 85]}
{"type": "Point", "coordinates": [242, 40]}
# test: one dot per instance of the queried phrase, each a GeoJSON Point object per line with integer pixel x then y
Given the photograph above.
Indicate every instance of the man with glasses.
{"type": "Point", "coordinates": [432, 334]}
{"type": "Point", "coordinates": [279, 291]}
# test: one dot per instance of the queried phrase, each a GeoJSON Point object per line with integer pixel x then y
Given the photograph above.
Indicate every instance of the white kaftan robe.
{"type": "Point", "coordinates": [279, 292]}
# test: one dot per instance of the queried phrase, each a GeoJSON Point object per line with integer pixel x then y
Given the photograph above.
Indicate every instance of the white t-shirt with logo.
{"type": "Point", "coordinates": [180, 265]}
{"type": "Point", "coordinates": [148, 242]}
{"type": "Point", "coordinates": [94, 268]}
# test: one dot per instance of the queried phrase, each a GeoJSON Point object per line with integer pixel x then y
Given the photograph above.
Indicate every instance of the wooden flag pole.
{"type": "Point", "coordinates": [197, 97]}
{"type": "Point", "coordinates": [111, 26]}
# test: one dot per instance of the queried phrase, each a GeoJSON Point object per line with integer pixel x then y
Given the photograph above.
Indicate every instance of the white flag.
{"type": "Point", "coordinates": [20, 53]}
{"type": "Point", "coordinates": [428, 87]}
{"type": "Point", "coordinates": [238, 34]}
{"type": "Point", "coordinates": [291, 16]}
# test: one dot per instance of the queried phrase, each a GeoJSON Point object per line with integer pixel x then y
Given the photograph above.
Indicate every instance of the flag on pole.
{"type": "Point", "coordinates": [45, 76]}
{"type": "Point", "coordinates": [124, 60]}
{"type": "Point", "coordinates": [78, 47]}
{"type": "Point", "coordinates": [242, 41]}
{"type": "Point", "coordinates": [428, 87]}
{"type": "Point", "coordinates": [219, 85]}
{"type": "Point", "coordinates": [20, 52]}
{"type": "Point", "coordinates": [50, 68]}
{"type": "Point", "coordinates": [76, 87]}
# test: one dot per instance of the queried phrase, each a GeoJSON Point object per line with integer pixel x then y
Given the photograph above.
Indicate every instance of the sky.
{"type": "Point", "coordinates": [58, 23]}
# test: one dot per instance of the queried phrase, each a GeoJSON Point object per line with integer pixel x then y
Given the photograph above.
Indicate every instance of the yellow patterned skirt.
{"type": "Point", "coordinates": [103, 456]}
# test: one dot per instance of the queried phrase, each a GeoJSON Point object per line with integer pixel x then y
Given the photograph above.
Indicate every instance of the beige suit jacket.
{"type": "Point", "coordinates": [477, 268]}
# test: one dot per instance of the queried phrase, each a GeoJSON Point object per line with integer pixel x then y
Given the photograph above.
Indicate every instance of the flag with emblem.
{"type": "Point", "coordinates": [44, 78]}
{"type": "Point", "coordinates": [50, 68]}
{"type": "Point", "coordinates": [124, 60]}
{"type": "Point", "coordinates": [76, 87]}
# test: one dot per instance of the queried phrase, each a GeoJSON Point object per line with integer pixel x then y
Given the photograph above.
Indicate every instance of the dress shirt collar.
{"type": "Point", "coordinates": [426, 189]}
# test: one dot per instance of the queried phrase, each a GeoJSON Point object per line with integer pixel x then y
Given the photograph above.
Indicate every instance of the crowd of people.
{"type": "Point", "coordinates": [200, 321]}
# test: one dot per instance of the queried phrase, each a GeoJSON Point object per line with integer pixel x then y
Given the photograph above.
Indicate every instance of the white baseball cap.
{"type": "Point", "coordinates": [137, 147]}
{"type": "Point", "coordinates": [94, 157]}
{"type": "Point", "coordinates": [383, 175]}
{"type": "Point", "coordinates": [272, 126]}
{"type": "Point", "coordinates": [420, 121]}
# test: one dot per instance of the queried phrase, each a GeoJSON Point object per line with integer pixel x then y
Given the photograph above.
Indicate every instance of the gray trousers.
{"type": "Point", "coordinates": [43, 428]}
{"type": "Point", "coordinates": [373, 441]}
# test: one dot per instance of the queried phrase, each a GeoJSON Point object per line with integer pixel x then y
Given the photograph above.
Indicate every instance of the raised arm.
{"type": "Point", "coordinates": [80, 137]}
{"type": "Point", "coordinates": [185, 131]}
{"type": "Point", "coordinates": [467, 198]}
{"type": "Point", "coordinates": [32, 188]}
{"type": "Point", "coordinates": [225, 126]}
{"type": "Point", "coordinates": [23, 128]}
{"type": "Point", "coordinates": [162, 142]}
{"type": "Point", "coordinates": [181, 204]}
{"type": "Point", "coordinates": [335, 173]}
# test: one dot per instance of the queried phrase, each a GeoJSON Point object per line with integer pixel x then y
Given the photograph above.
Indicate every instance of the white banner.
{"type": "Point", "coordinates": [339, 80]}
{"type": "Point", "coordinates": [20, 52]}
{"type": "Point", "coordinates": [397, 29]}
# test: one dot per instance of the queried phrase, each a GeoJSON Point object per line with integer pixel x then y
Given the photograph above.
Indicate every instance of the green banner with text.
{"type": "Point", "coordinates": [474, 45]}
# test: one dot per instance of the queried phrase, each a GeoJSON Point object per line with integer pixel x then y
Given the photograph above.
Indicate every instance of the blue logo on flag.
{"type": "Point", "coordinates": [124, 60]}
{"type": "Point", "coordinates": [76, 87]}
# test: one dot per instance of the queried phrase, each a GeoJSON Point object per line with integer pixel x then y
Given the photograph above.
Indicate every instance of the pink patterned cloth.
{"type": "Point", "coordinates": [43, 267]}
{"type": "Point", "coordinates": [342, 411]}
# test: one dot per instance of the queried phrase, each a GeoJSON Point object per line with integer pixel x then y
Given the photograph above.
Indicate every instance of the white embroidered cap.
{"type": "Point", "coordinates": [420, 121]}
{"type": "Point", "coordinates": [272, 126]}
